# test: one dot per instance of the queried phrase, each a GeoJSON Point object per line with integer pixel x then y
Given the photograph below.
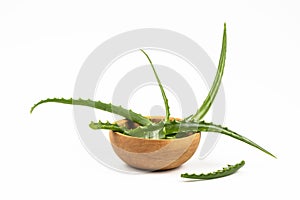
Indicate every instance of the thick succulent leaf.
{"type": "Point", "coordinates": [201, 112]}
{"type": "Point", "coordinates": [108, 126]}
{"type": "Point", "coordinates": [167, 108]}
{"type": "Point", "coordinates": [128, 114]}
{"type": "Point", "coordinates": [226, 171]}
{"type": "Point", "coordinates": [209, 127]}
{"type": "Point", "coordinates": [152, 131]}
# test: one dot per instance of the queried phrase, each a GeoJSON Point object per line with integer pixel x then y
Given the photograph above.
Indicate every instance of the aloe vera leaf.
{"type": "Point", "coordinates": [152, 131]}
{"type": "Point", "coordinates": [202, 126]}
{"type": "Point", "coordinates": [108, 126]}
{"type": "Point", "coordinates": [226, 171]}
{"type": "Point", "coordinates": [167, 108]}
{"type": "Point", "coordinates": [201, 112]}
{"type": "Point", "coordinates": [129, 114]}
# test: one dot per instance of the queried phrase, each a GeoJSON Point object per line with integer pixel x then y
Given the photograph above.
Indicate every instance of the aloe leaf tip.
{"type": "Point", "coordinates": [167, 108]}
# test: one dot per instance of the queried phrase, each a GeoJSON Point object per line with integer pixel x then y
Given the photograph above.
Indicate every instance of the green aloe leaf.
{"type": "Point", "coordinates": [167, 108]}
{"type": "Point", "coordinates": [226, 171]}
{"type": "Point", "coordinates": [107, 126]}
{"type": "Point", "coordinates": [128, 114]}
{"type": "Point", "coordinates": [201, 112]}
{"type": "Point", "coordinates": [178, 127]}
{"type": "Point", "coordinates": [152, 131]}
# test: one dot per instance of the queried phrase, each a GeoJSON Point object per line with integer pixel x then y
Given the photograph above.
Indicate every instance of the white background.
{"type": "Point", "coordinates": [42, 47]}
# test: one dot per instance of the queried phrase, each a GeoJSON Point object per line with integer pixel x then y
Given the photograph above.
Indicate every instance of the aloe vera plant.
{"type": "Point", "coordinates": [166, 129]}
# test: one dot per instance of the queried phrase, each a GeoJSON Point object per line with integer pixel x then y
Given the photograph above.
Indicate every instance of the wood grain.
{"type": "Point", "coordinates": [153, 154]}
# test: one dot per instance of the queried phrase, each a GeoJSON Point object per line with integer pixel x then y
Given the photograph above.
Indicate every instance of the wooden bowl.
{"type": "Point", "coordinates": [153, 154]}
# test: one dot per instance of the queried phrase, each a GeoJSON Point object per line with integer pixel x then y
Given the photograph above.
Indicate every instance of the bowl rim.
{"type": "Point", "coordinates": [163, 139]}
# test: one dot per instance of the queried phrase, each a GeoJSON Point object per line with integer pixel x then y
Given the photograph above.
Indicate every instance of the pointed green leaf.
{"type": "Point", "coordinates": [167, 108]}
{"type": "Point", "coordinates": [226, 171]}
{"type": "Point", "coordinates": [128, 114]}
{"type": "Point", "coordinates": [209, 127]}
{"type": "Point", "coordinates": [108, 126]}
{"type": "Point", "coordinates": [201, 112]}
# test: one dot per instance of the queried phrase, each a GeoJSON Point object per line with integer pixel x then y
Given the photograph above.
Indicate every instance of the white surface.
{"type": "Point", "coordinates": [42, 47]}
